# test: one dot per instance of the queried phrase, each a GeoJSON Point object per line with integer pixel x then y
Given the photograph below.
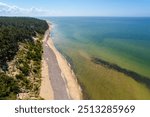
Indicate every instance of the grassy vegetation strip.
{"type": "Point", "coordinates": [134, 75]}
{"type": "Point", "coordinates": [28, 63]}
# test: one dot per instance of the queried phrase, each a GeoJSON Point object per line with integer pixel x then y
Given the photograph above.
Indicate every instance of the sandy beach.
{"type": "Point", "coordinates": [65, 76]}
{"type": "Point", "coordinates": [46, 90]}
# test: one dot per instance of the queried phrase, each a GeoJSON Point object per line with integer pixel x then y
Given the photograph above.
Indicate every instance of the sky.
{"type": "Point", "coordinates": [131, 8]}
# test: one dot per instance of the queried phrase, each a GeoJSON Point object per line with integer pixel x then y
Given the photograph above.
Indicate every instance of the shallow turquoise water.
{"type": "Point", "coordinates": [123, 41]}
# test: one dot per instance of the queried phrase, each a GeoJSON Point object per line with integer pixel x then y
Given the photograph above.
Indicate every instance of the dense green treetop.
{"type": "Point", "coordinates": [14, 30]}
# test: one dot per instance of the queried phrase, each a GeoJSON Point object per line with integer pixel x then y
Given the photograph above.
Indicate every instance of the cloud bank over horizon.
{"type": "Point", "coordinates": [12, 10]}
{"type": "Point", "coordinates": [121, 8]}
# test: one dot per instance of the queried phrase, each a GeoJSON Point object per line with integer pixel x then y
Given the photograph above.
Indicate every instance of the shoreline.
{"type": "Point", "coordinates": [68, 76]}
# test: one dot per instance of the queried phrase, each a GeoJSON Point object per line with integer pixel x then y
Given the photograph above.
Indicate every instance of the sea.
{"type": "Point", "coordinates": [124, 41]}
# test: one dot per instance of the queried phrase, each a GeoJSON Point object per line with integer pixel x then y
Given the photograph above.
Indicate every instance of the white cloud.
{"type": "Point", "coordinates": [11, 10]}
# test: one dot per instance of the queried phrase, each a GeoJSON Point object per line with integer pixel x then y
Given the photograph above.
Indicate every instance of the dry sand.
{"type": "Point", "coordinates": [73, 88]}
{"type": "Point", "coordinates": [46, 90]}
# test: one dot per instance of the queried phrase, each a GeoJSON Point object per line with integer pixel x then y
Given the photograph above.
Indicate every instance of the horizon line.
{"type": "Point", "coordinates": [76, 16]}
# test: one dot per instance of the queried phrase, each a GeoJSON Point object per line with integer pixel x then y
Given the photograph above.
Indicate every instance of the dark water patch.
{"type": "Point", "coordinates": [137, 77]}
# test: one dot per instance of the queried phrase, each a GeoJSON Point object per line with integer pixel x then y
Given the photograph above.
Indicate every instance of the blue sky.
{"type": "Point", "coordinates": [75, 7]}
